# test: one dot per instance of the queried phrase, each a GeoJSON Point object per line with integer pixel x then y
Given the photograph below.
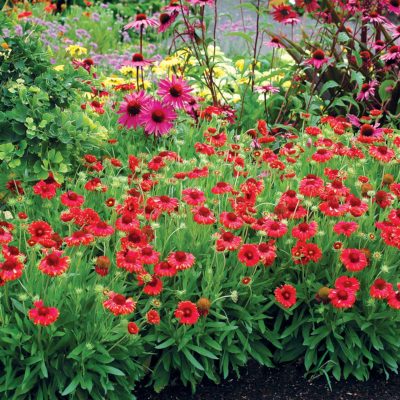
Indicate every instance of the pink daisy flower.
{"type": "Point", "coordinates": [138, 61]}
{"type": "Point", "coordinates": [175, 91]}
{"type": "Point", "coordinates": [318, 59]}
{"type": "Point", "coordinates": [157, 118]}
{"type": "Point", "coordinates": [367, 90]}
{"type": "Point", "coordinates": [166, 20]}
{"type": "Point", "coordinates": [202, 2]}
{"type": "Point", "coordinates": [131, 109]}
{"type": "Point", "coordinates": [141, 21]}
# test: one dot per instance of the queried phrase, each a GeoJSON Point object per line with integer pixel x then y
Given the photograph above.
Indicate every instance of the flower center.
{"type": "Point", "coordinates": [367, 130]}
{"type": "Point", "coordinates": [43, 311]}
{"type": "Point", "coordinates": [141, 17]}
{"type": "Point", "coordinates": [158, 116]}
{"type": "Point", "coordinates": [53, 260]}
{"type": "Point", "coordinates": [319, 55]}
{"type": "Point", "coordinates": [176, 90]}
{"type": "Point", "coordinates": [137, 57]}
{"type": "Point", "coordinates": [119, 299]}
{"type": "Point", "coordinates": [133, 108]}
{"type": "Point", "coordinates": [180, 256]}
{"type": "Point", "coordinates": [164, 18]}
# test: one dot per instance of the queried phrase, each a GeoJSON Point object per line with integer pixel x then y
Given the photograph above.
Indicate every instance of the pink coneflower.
{"type": "Point", "coordinates": [275, 42]}
{"type": "Point", "coordinates": [202, 2]}
{"type": "Point", "coordinates": [370, 133]}
{"type": "Point", "coordinates": [392, 54]}
{"type": "Point", "coordinates": [157, 118]}
{"type": "Point", "coordinates": [141, 21]}
{"type": "Point", "coordinates": [309, 5]}
{"type": "Point", "coordinates": [283, 13]}
{"type": "Point", "coordinates": [393, 6]}
{"type": "Point", "coordinates": [266, 89]}
{"type": "Point", "coordinates": [175, 91]}
{"type": "Point", "coordinates": [318, 59]}
{"type": "Point", "coordinates": [374, 17]}
{"type": "Point", "coordinates": [138, 61]}
{"type": "Point", "coordinates": [174, 5]}
{"type": "Point", "coordinates": [131, 109]}
{"type": "Point", "coordinates": [166, 20]}
{"type": "Point", "coordinates": [367, 90]}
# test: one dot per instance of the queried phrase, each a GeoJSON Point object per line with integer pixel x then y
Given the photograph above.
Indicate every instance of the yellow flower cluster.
{"type": "Point", "coordinates": [75, 50]}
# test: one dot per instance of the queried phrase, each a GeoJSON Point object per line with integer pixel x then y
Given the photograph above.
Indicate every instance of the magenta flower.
{"type": "Point", "coordinates": [175, 91]}
{"type": "Point", "coordinates": [141, 21]}
{"type": "Point", "coordinates": [318, 59]}
{"type": "Point", "coordinates": [138, 61]}
{"type": "Point", "coordinates": [166, 20]}
{"type": "Point", "coordinates": [392, 54]}
{"type": "Point", "coordinates": [367, 90]}
{"type": "Point", "coordinates": [157, 118]}
{"type": "Point", "coordinates": [202, 2]}
{"type": "Point", "coordinates": [393, 6]}
{"type": "Point", "coordinates": [275, 42]}
{"type": "Point", "coordinates": [266, 89]}
{"type": "Point", "coordinates": [131, 109]}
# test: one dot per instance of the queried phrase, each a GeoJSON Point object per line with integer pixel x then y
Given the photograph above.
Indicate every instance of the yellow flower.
{"type": "Point", "coordinates": [75, 50]}
{"type": "Point", "coordinates": [128, 70]}
{"type": "Point", "coordinates": [114, 80]}
{"type": "Point", "coordinates": [5, 46]}
{"type": "Point", "coordinates": [59, 68]}
{"type": "Point", "coordinates": [239, 64]}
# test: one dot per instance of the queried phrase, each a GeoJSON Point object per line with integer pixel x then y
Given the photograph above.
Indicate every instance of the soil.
{"type": "Point", "coordinates": [283, 383]}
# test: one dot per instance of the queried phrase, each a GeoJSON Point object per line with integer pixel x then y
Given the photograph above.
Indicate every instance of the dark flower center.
{"type": "Point", "coordinates": [286, 295]}
{"type": "Point", "coordinates": [43, 311]}
{"type": "Point", "coordinates": [354, 257]}
{"type": "Point", "coordinates": [158, 116]}
{"type": "Point", "coordinates": [119, 299]}
{"type": "Point", "coordinates": [141, 17]}
{"type": "Point", "coordinates": [342, 295]}
{"type": "Point", "coordinates": [133, 108]}
{"type": "Point", "coordinates": [180, 256]}
{"type": "Point", "coordinates": [367, 130]}
{"type": "Point", "coordinates": [72, 196]}
{"type": "Point", "coordinates": [137, 57]}
{"type": "Point", "coordinates": [176, 90]}
{"type": "Point", "coordinates": [204, 212]}
{"type": "Point", "coordinates": [164, 18]}
{"type": "Point", "coordinates": [227, 236]}
{"type": "Point", "coordinates": [9, 265]}
{"type": "Point", "coordinates": [53, 260]}
{"type": "Point", "coordinates": [319, 55]}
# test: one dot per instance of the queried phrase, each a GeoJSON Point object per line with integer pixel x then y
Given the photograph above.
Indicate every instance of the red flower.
{"type": "Point", "coordinates": [193, 197]}
{"type": "Point", "coordinates": [79, 238]}
{"type": "Point", "coordinates": [383, 199]}
{"type": "Point", "coordinates": [5, 237]}
{"type": "Point", "coordinates": [303, 253]}
{"type": "Point", "coordinates": [275, 229]}
{"type": "Point", "coordinates": [164, 268]}
{"type": "Point", "coordinates": [42, 315]}
{"type": "Point", "coordinates": [187, 313]}
{"type": "Point", "coordinates": [45, 190]}
{"type": "Point", "coordinates": [222, 188]}
{"type": "Point", "coordinates": [305, 231]}
{"type": "Point", "coordinates": [345, 228]}
{"type": "Point", "coordinates": [181, 260]}
{"type": "Point", "coordinates": [341, 298]}
{"type": "Point", "coordinates": [39, 230]}
{"type": "Point", "coordinates": [133, 329]}
{"type": "Point", "coordinates": [354, 259]}
{"type": "Point", "coordinates": [230, 220]}
{"type": "Point", "coordinates": [347, 283]}
{"type": "Point", "coordinates": [148, 255]}
{"type": "Point", "coordinates": [100, 229]}
{"type": "Point", "coordinates": [127, 223]}
{"type": "Point", "coordinates": [102, 266]}
{"type": "Point", "coordinates": [394, 299]}
{"type": "Point", "coordinates": [380, 289]}
{"type": "Point", "coordinates": [72, 199]}
{"type": "Point", "coordinates": [203, 216]}
{"type": "Point", "coordinates": [118, 304]}
{"type": "Point", "coordinates": [153, 317]}
{"type": "Point", "coordinates": [53, 264]}
{"type": "Point", "coordinates": [11, 269]}
{"type": "Point", "coordinates": [129, 260]}
{"type": "Point", "coordinates": [228, 241]}
{"type": "Point", "coordinates": [286, 295]}
{"type": "Point", "coordinates": [153, 287]}
{"type": "Point", "coordinates": [267, 252]}
{"type": "Point", "coordinates": [249, 255]}
{"type": "Point", "coordinates": [311, 186]}
{"type": "Point", "coordinates": [163, 203]}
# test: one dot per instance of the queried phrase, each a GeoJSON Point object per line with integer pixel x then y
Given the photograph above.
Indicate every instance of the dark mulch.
{"type": "Point", "coordinates": [284, 383]}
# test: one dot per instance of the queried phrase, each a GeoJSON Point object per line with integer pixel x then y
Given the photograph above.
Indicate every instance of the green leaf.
{"type": "Point", "coordinates": [328, 85]}
{"type": "Point", "coordinates": [71, 387]}
{"type": "Point", "coordinates": [166, 344]}
{"type": "Point", "coordinates": [192, 360]}
{"type": "Point", "coordinates": [202, 351]}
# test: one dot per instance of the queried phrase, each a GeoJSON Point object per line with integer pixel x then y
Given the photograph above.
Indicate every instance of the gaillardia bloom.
{"type": "Point", "coordinates": [187, 313]}
{"type": "Point", "coordinates": [42, 315]}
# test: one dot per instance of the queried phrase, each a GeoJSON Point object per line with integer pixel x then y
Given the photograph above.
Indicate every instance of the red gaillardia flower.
{"type": "Point", "coordinates": [380, 289]}
{"type": "Point", "coordinates": [164, 268]}
{"type": "Point", "coordinates": [11, 269]}
{"type": "Point", "coordinates": [230, 220]}
{"type": "Point", "coordinates": [286, 295]}
{"type": "Point", "coordinates": [347, 283]}
{"type": "Point", "coordinates": [187, 313]}
{"type": "Point", "coordinates": [54, 264]}
{"type": "Point", "coordinates": [72, 199]}
{"type": "Point", "coordinates": [305, 231]}
{"type": "Point", "coordinates": [153, 317]}
{"type": "Point", "coordinates": [203, 215]}
{"type": "Point", "coordinates": [39, 230]}
{"type": "Point", "coordinates": [342, 298]}
{"type": "Point", "coordinates": [79, 238]}
{"type": "Point", "coordinates": [118, 304]}
{"type": "Point", "coordinates": [42, 315]}
{"type": "Point", "coordinates": [249, 255]}
{"type": "Point", "coordinates": [354, 259]}
{"type": "Point", "coordinates": [133, 329]}
{"type": "Point", "coordinates": [181, 260]}
{"type": "Point", "coordinates": [228, 241]}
